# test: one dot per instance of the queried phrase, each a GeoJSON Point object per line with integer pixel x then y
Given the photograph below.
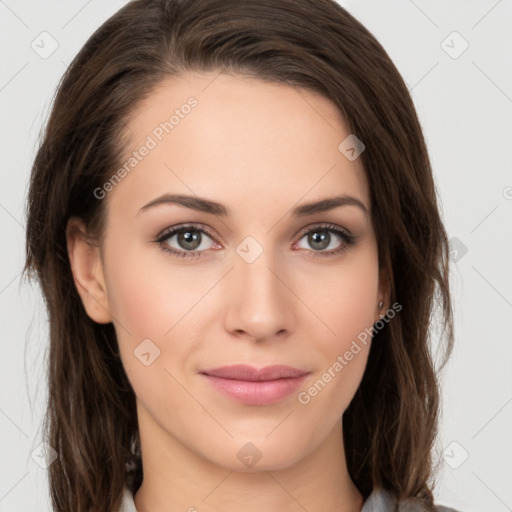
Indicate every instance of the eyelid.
{"type": "Point", "coordinates": [349, 239]}
{"type": "Point", "coordinates": [324, 225]}
{"type": "Point", "coordinates": [169, 231]}
{"type": "Point", "coordinates": [210, 233]}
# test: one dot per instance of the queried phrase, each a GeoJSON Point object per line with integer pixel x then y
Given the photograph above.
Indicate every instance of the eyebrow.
{"type": "Point", "coordinates": [212, 207]}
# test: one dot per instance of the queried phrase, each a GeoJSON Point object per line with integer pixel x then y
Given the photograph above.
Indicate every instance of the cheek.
{"type": "Point", "coordinates": [147, 294]}
{"type": "Point", "coordinates": [346, 301]}
{"type": "Point", "coordinates": [137, 298]}
{"type": "Point", "coordinates": [346, 305]}
{"type": "Point", "coordinates": [152, 299]}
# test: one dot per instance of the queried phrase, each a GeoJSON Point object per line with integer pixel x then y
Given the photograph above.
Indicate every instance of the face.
{"type": "Point", "coordinates": [256, 280]}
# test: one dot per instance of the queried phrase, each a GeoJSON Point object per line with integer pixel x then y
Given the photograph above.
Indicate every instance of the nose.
{"type": "Point", "coordinates": [259, 301]}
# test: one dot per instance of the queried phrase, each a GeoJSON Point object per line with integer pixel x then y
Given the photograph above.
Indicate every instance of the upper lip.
{"type": "Point", "coordinates": [250, 373]}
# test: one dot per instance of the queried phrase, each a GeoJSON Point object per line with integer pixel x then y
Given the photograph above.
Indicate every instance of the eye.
{"type": "Point", "coordinates": [190, 241]}
{"type": "Point", "coordinates": [320, 238]}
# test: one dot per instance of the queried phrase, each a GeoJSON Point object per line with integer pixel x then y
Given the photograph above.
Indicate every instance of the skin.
{"type": "Point", "coordinates": [260, 149]}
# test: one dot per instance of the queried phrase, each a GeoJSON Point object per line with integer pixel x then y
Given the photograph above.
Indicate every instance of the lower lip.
{"type": "Point", "coordinates": [256, 393]}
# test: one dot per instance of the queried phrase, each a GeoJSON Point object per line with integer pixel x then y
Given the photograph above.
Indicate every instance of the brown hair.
{"type": "Point", "coordinates": [391, 424]}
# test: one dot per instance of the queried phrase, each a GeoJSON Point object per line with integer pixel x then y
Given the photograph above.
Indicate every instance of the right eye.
{"type": "Point", "coordinates": [189, 239]}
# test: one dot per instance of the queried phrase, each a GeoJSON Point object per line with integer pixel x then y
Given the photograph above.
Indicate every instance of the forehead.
{"type": "Point", "coordinates": [240, 140]}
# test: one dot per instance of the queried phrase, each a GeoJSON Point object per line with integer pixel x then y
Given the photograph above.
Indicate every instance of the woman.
{"type": "Point", "coordinates": [234, 223]}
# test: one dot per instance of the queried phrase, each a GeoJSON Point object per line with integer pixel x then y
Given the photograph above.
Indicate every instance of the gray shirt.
{"type": "Point", "coordinates": [379, 500]}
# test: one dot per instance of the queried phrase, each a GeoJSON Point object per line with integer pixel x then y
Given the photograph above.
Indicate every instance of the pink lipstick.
{"type": "Point", "coordinates": [255, 386]}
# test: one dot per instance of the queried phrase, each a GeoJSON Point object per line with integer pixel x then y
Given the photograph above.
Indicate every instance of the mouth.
{"type": "Point", "coordinates": [255, 386]}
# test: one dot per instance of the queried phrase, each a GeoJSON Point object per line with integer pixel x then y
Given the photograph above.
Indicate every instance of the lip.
{"type": "Point", "coordinates": [255, 386]}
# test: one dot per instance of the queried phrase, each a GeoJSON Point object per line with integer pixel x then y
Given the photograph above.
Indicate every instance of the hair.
{"type": "Point", "coordinates": [391, 424]}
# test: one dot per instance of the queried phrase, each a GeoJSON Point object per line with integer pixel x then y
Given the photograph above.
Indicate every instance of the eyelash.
{"type": "Point", "coordinates": [348, 240]}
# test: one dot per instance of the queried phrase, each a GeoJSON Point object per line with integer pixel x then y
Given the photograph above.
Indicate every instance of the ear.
{"type": "Point", "coordinates": [383, 295]}
{"type": "Point", "coordinates": [87, 269]}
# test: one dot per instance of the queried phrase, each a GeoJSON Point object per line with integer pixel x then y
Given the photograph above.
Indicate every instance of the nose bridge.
{"type": "Point", "coordinates": [254, 267]}
{"type": "Point", "coordinates": [259, 301]}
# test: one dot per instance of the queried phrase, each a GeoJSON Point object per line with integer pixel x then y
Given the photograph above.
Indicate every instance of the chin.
{"type": "Point", "coordinates": [252, 455]}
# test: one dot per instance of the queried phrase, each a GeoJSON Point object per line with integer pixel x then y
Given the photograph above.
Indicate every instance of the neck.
{"type": "Point", "coordinates": [177, 479]}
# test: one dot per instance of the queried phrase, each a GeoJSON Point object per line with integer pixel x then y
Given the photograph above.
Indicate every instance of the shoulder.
{"type": "Point", "coordinates": [127, 503]}
{"type": "Point", "coordinates": [381, 500]}
{"type": "Point", "coordinates": [441, 508]}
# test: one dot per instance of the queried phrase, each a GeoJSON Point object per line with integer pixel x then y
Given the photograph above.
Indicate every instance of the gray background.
{"type": "Point", "coordinates": [464, 100]}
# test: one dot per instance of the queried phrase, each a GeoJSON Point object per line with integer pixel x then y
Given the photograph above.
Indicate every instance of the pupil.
{"type": "Point", "coordinates": [189, 239]}
{"type": "Point", "coordinates": [322, 240]}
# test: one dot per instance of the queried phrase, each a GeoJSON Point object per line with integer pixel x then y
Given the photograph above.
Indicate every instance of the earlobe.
{"type": "Point", "coordinates": [87, 269]}
{"type": "Point", "coordinates": [383, 295]}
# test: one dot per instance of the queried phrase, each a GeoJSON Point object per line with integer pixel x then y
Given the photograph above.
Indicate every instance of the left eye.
{"type": "Point", "coordinates": [191, 243]}
{"type": "Point", "coordinates": [321, 239]}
